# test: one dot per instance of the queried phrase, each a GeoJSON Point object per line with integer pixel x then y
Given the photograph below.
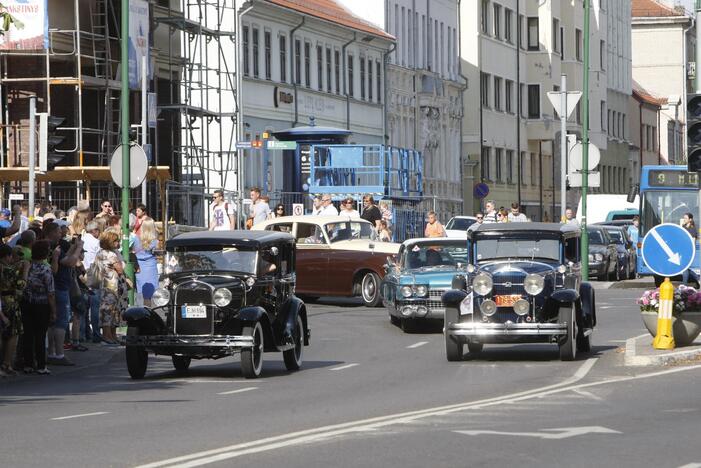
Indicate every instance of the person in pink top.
{"type": "Point", "coordinates": [434, 228]}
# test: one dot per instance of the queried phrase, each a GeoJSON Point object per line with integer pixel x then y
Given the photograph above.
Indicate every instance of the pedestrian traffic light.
{"type": "Point", "coordinates": [49, 157]}
{"type": "Point", "coordinates": [693, 138]}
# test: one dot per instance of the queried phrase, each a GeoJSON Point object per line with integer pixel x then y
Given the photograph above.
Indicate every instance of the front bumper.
{"type": "Point", "coordinates": [477, 329]}
{"type": "Point", "coordinates": [226, 342]}
{"type": "Point", "coordinates": [597, 268]}
{"type": "Point", "coordinates": [419, 308]}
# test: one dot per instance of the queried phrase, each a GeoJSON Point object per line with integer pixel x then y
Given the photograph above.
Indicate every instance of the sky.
{"type": "Point", "coordinates": [369, 10]}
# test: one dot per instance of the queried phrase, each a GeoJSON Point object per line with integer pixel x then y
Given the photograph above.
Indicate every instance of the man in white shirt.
{"type": "Point", "coordinates": [259, 208]}
{"type": "Point", "coordinates": [516, 216]}
{"type": "Point", "coordinates": [347, 208]}
{"type": "Point", "coordinates": [222, 213]}
{"type": "Point", "coordinates": [327, 208]}
{"type": "Point", "coordinates": [91, 243]}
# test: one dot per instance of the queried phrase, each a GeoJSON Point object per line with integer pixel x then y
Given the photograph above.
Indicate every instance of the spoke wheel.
{"type": "Point", "coordinates": [370, 289]}
{"type": "Point", "coordinates": [293, 357]}
{"type": "Point", "coordinates": [568, 346]}
{"type": "Point", "coordinates": [252, 358]}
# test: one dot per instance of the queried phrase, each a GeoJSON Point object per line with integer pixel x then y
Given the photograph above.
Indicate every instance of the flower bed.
{"type": "Point", "coordinates": [686, 299]}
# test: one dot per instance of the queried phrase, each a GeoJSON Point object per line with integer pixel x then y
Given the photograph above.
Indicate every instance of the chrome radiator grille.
{"type": "Point", "coordinates": [434, 299]}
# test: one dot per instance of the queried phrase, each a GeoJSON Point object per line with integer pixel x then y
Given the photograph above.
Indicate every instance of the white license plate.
{"type": "Point", "coordinates": [198, 311]}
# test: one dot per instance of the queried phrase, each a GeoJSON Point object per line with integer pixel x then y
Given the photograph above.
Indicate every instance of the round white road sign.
{"type": "Point", "coordinates": [138, 165]}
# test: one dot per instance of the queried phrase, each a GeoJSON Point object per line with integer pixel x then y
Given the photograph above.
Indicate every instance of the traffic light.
{"type": "Point", "coordinates": [693, 135]}
{"type": "Point", "coordinates": [49, 157]}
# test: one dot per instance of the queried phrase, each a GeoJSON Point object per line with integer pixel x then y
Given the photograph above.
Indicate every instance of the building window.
{"type": "Point", "coordinates": [498, 155]}
{"type": "Point", "coordinates": [620, 126]}
{"type": "Point", "coordinates": [578, 112]}
{"type": "Point", "coordinates": [654, 139]}
{"type": "Point", "coordinates": [556, 35]}
{"type": "Point", "coordinates": [497, 93]}
{"type": "Point", "coordinates": [485, 89]}
{"type": "Point", "coordinates": [349, 91]}
{"type": "Point", "coordinates": [256, 65]}
{"type": "Point", "coordinates": [283, 59]}
{"type": "Point", "coordinates": [328, 69]}
{"type": "Point", "coordinates": [337, 70]}
{"type": "Point", "coordinates": [320, 67]}
{"type": "Point", "coordinates": [484, 166]}
{"type": "Point", "coordinates": [497, 21]}
{"type": "Point", "coordinates": [534, 101]}
{"type": "Point", "coordinates": [298, 62]}
{"type": "Point", "coordinates": [307, 64]}
{"type": "Point", "coordinates": [509, 96]}
{"type": "Point", "coordinates": [379, 80]}
{"type": "Point", "coordinates": [521, 97]}
{"type": "Point", "coordinates": [268, 52]}
{"type": "Point", "coordinates": [608, 121]}
{"type": "Point", "coordinates": [602, 55]}
{"type": "Point", "coordinates": [578, 44]}
{"type": "Point", "coordinates": [508, 25]}
{"type": "Point", "coordinates": [485, 17]}
{"type": "Point", "coordinates": [533, 33]}
{"type": "Point", "coordinates": [534, 167]}
{"type": "Point", "coordinates": [370, 82]}
{"type": "Point", "coordinates": [521, 31]}
{"type": "Point", "coordinates": [246, 58]}
{"type": "Point", "coordinates": [363, 77]}
{"type": "Point", "coordinates": [509, 166]}
{"type": "Point", "coordinates": [562, 43]}
{"type": "Point", "coordinates": [523, 167]}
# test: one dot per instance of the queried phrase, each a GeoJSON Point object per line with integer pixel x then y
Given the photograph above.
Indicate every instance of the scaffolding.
{"type": "Point", "coordinates": [76, 81]}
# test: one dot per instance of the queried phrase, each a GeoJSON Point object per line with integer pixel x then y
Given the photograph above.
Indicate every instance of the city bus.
{"type": "Point", "coordinates": [666, 194]}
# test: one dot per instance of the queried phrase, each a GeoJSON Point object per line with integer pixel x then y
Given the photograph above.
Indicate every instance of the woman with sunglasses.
{"type": "Point", "coordinates": [279, 211]}
{"type": "Point", "coordinates": [502, 216]}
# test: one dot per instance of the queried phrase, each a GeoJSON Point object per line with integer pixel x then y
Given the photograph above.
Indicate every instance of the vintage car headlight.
{"type": "Point", "coordinates": [562, 269]}
{"type": "Point", "coordinates": [421, 290]}
{"type": "Point", "coordinates": [406, 291]}
{"type": "Point", "coordinates": [222, 297]}
{"type": "Point", "coordinates": [521, 307]}
{"type": "Point", "coordinates": [161, 297]}
{"type": "Point", "coordinates": [488, 308]}
{"type": "Point", "coordinates": [482, 284]}
{"type": "Point", "coordinates": [470, 268]}
{"type": "Point", "coordinates": [250, 281]}
{"type": "Point", "coordinates": [533, 284]}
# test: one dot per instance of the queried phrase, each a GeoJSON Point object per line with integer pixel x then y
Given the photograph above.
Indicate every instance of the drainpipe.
{"type": "Point", "coordinates": [640, 128]}
{"type": "Point", "coordinates": [462, 101]}
{"type": "Point", "coordinates": [519, 98]}
{"type": "Point", "coordinates": [292, 67]}
{"type": "Point", "coordinates": [385, 65]}
{"type": "Point", "coordinates": [659, 147]}
{"type": "Point", "coordinates": [240, 165]}
{"type": "Point", "coordinates": [345, 79]}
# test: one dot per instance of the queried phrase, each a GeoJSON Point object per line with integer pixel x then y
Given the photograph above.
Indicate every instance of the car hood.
{"type": "Point", "coordinates": [456, 233]}
{"type": "Point", "coordinates": [364, 246]}
{"type": "Point", "coordinates": [518, 266]}
{"type": "Point", "coordinates": [435, 277]}
{"type": "Point", "coordinates": [598, 248]}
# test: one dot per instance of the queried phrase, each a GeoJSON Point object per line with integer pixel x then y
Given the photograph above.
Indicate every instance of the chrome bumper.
{"type": "Point", "coordinates": [506, 329]}
{"type": "Point", "coordinates": [218, 341]}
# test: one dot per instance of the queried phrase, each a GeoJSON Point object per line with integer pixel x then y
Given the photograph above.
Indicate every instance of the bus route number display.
{"type": "Point", "coordinates": [666, 178]}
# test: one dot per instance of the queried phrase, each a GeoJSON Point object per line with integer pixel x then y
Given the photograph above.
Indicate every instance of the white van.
{"type": "Point", "coordinates": [600, 205]}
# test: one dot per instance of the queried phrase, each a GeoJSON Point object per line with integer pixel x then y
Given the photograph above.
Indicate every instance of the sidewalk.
{"type": "Point", "coordinates": [97, 355]}
{"type": "Point", "coordinates": [639, 352]}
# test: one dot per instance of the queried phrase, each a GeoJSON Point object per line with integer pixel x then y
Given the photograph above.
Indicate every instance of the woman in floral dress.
{"type": "Point", "coordinates": [114, 287]}
{"type": "Point", "coordinates": [12, 283]}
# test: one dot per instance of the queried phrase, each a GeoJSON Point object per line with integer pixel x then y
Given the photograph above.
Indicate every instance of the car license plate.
{"type": "Point", "coordinates": [194, 311]}
{"type": "Point", "coordinates": [507, 300]}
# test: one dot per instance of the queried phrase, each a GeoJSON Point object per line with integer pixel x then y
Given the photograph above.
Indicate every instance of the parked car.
{"type": "Point", "coordinates": [336, 256]}
{"type": "Point", "coordinates": [603, 254]}
{"type": "Point", "coordinates": [457, 226]}
{"type": "Point", "coordinates": [627, 258]}
{"type": "Point", "coordinates": [224, 292]}
{"type": "Point", "coordinates": [418, 276]}
{"type": "Point", "coordinates": [523, 285]}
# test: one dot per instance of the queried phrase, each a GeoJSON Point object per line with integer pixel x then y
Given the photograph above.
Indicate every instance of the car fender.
{"type": "Point", "coordinates": [560, 298]}
{"type": "Point", "coordinates": [252, 314]}
{"type": "Point", "coordinates": [293, 308]}
{"type": "Point", "coordinates": [453, 298]}
{"type": "Point", "coordinates": [146, 320]}
{"type": "Point", "coordinates": [459, 282]}
{"type": "Point", "coordinates": [587, 294]}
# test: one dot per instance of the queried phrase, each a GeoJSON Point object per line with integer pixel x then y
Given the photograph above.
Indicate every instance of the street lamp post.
{"type": "Point", "coordinates": [124, 104]}
{"type": "Point", "coordinates": [585, 143]}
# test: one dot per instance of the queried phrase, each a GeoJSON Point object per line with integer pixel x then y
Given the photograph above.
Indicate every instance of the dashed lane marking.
{"type": "Point", "coordinates": [85, 415]}
{"type": "Point", "coordinates": [240, 390]}
{"type": "Point", "coordinates": [347, 366]}
{"type": "Point", "coordinates": [416, 345]}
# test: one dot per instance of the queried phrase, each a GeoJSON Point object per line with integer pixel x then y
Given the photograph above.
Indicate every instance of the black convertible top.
{"type": "Point", "coordinates": [246, 239]}
{"type": "Point", "coordinates": [492, 229]}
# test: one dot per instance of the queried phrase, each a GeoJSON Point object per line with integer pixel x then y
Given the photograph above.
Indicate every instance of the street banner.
{"type": "Point", "coordinates": [152, 110]}
{"type": "Point", "coordinates": [138, 41]}
{"type": "Point", "coordinates": [30, 31]}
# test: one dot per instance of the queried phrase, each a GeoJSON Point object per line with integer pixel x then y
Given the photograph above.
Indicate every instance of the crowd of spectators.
{"type": "Point", "coordinates": [63, 282]}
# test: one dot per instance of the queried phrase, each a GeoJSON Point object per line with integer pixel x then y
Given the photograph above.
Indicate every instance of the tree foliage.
{"type": "Point", "coordinates": [7, 20]}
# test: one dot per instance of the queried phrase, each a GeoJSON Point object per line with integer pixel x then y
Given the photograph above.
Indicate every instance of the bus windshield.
{"type": "Point", "coordinates": [666, 206]}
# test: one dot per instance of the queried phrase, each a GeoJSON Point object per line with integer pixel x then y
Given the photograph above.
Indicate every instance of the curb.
{"type": "Point", "coordinates": [633, 359]}
{"type": "Point", "coordinates": [633, 284]}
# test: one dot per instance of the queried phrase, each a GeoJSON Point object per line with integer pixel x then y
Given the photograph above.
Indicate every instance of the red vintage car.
{"type": "Point", "coordinates": [336, 256]}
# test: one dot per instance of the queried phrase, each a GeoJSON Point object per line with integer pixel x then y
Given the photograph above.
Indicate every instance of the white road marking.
{"type": "Point", "coordinates": [555, 434]}
{"type": "Point", "coordinates": [416, 345]}
{"type": "Point", "coordinates": [240, 390]}
{"type": "Point", "coordinates": [691, 465]}
{"type": "Point", "coordinates": [347, 366]}
{"type": "Point", "coordinates": [80, 416]}
{"type": "Point", "coordinates": [584, 393]}
{"type": "Point", "coordinates": [226, 381]}
{"type": "Point", "coordinates": [617, 341]}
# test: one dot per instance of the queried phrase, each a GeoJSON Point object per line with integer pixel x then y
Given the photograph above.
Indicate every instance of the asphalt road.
{"type": "Point", "coordinates": [368, 395]}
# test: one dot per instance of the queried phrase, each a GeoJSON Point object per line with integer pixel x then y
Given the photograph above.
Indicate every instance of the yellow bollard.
{"type": "Point", "coordinates": [665, 337]}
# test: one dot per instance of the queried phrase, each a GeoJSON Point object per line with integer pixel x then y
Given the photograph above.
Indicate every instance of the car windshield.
{"type": "Point", "coordinates": [595, 236]}
{"type": "Point", "coordinates": [488, 249]}
{"type": "Point", "coordinates": [616, 236]}
{"type": "Point", "coordinates": [666, 207]}
{"type": "Point", "coordinates": [460, 224]}
{"type": "Point", "coordinates": [348, 230]}
{"type": "Point", "coordinates": [220, 258]}
{"type": "Point", "coordinates": [431, 255]}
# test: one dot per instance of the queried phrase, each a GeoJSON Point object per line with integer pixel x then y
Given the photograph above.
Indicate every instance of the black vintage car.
{"type": "Point", "coordinates": [225, 292]}
{"type": "Point", "coordinates": [523, 285]}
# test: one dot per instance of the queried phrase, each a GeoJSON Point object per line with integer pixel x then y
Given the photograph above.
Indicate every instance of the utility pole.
{"type": "Point", "coordinates": [32, 154]}
{"type": "Point", "coordinates": [585, 142]}
{"type": "Point", "coordinates": [126, 170]}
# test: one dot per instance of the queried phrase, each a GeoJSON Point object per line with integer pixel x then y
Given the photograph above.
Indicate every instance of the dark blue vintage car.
{"type": "Point", "coordinates": [523, 285]}
{"type": "Point", "coordinates": [417, 278]}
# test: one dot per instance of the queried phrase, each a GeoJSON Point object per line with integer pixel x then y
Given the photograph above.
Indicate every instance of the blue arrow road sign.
{"type": "Point", "coordinates": [668, 249]}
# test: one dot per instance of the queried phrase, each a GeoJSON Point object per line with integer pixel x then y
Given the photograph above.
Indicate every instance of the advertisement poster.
{"type": "Point", "coordinates": [138, 41]}
{"type": "Point", "coordinates": [31, 28]}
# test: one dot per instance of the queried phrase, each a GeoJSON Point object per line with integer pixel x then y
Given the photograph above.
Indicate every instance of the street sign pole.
{"type": "Point", "coordinates": [563, 146]}
{"type": "Point", "coordinates": [124, 104]}
{"type": "Point", "coordinates": [585, 143]}
{"type": "Point", "coordinates": [32, 160]}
